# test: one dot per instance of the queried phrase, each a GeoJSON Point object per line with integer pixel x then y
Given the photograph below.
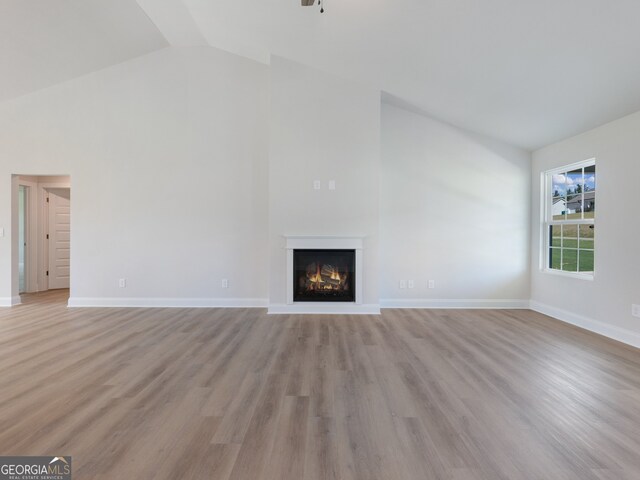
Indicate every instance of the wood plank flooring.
{"type": "Point", "coordinates": [230, 394]}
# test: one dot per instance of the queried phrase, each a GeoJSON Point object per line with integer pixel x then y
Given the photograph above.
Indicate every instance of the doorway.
{"type": "Point", "coordinates": [42, 235]}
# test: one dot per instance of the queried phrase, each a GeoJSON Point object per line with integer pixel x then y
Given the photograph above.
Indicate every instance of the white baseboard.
{"type": "Point", "coordinates": [122, 302]}
{"type": "Point", "coordinates": [620, 334]}
{"type": "Point", "coordinates": [617, 333]}
{"type": "Point", "coordinates": [10, 301]}
{"type": "Point", "coordinates": [456, 303]}
{"type": "Point", "coordinates": [324, 308]}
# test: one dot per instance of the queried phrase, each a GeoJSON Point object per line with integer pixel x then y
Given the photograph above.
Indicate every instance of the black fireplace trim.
{"type": "Point", "coordinates": [298, 299]}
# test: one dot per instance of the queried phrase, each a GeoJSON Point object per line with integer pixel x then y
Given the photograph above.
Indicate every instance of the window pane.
{"type": "Point", "coordinates": [554, 258]}
{"type": "Point", "coordinates": [586, 261]}
{"type": "Point", "coordinates": [586, 236]}
{"type": "Point", "coordinates": [589, 178]}
{"type": "Point", "coordinates": [559, 208]}
{"type": "Point", "coordinates": [589, 204]}
{"type": "Point", "coordinates": [570, 235]}
{"type": "Point", "coordinates": [555, 235]}
{"type": "Point", "coordinates": [589, 191]}
{"type": "Point", "coordinates": [569, 260]}
{"type": "Point", "coordinates": [575, 182]}
{"type": "Point", "coordinates": [559, 185]}
{"type": "Point", "coordinates": [558, 194]}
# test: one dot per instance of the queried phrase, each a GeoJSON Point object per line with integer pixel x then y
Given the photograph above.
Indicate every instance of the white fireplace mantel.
{"type": "Point", "coordinates": [327, 242]}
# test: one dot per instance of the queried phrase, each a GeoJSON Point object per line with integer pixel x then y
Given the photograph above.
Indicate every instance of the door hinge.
{"type": "Point", "coordinates": [47, 236]}
{"type": "Point", "coordinates": [47, 199]}
{"type": "Point", "coordinates": [47, 273]}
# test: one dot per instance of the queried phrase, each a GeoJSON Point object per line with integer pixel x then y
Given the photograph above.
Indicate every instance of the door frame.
{"type": "Point", "coordinates": [37, 230]}
{"type": "Point", "coordinates": [31, 236]}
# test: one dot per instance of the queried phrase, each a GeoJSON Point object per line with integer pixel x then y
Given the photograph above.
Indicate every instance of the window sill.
{"type": "Point", "coordinates": [560, 273]}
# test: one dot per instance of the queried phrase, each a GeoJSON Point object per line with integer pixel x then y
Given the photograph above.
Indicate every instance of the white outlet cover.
{"type": "Point", "coordinates": [432, 284]}
{"type": "Point", "coordinates": [316, 184]}
{"type": "Point", "coordinates": [1, 232]}
{"type": "Point", "coordinates": [635, 310]}
{"type": "Point", "coordinates": [122, 283]}
{"type": "Point", "coordinates": [225, 283]}
{"type": "Point", "coordinates": [410, 283]}
{"type": "Point", "coordinates": [403, 284]}
{"type": "Point", "coordinates": [332, 184]}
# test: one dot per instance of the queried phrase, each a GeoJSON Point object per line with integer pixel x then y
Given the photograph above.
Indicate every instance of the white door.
{"type": "Point", "coordinates": [59, 237]}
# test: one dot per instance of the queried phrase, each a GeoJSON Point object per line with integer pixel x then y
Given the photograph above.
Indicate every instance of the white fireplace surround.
{"type": "Point", "coordinates": [324, 242]}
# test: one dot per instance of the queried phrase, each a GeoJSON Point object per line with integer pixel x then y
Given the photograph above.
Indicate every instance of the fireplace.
{"type": "Point", "coordinates": [324, 275]}
{"type": "Point", "coordinates": [342, 257]}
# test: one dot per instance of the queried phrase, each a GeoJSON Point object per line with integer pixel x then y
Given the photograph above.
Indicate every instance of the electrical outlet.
{"type": "Point", "coordinates": [403, 284]}
{"type": "Point", "coordinates": [410, 283]}
{"type": "Point", "coordinates": [316, 185]}
{"type": "Point", "coordinates": [122, 283]}
{"type": "Point", "coordinates": [432, 284]}
{"type": "Point", "coordinates": [635, 310]}
{"type": "Point", "coordinates": [225, 283]}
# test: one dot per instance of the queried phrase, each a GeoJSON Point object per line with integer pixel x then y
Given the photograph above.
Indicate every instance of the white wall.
{"type": "Point", "coordinates": [604, 304]}
{"type": "Point", "coordinates": [189, 165]}
{"type": "Point", "coordinates": [454, 209]}
{"type": "Point", "coordinates": [168, 158]}
{"type": "Point", "coordinates": [322, 128]}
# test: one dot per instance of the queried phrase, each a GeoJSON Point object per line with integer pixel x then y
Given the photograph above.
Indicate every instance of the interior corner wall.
{"type": "Point", "coordinates": [454, 209]}
{"type": "Point", "coordinates": [168, 159]}
{"type": "Point", "coordinates": [322, 128]}
{"type": "Point", "coordinates": [604, 304]}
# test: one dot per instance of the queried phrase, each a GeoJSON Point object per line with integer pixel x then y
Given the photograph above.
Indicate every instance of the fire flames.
{"type": "Point", "coordinates": [325, 277]}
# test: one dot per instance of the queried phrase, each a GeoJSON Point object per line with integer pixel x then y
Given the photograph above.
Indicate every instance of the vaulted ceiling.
{"type": "Point", "coordinates": [44, 42]}
{"type": "Point", "coordinates": [526, 72]}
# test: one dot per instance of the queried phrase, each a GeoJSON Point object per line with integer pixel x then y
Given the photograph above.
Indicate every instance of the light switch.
{"type": "Point", "coordinates": [316, 184]}
{"type": "Point", "coordinates": [332, 184]}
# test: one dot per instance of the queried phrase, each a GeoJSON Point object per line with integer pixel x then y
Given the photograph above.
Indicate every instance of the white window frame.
{"type": "Point", "coordinates": [548, 221]}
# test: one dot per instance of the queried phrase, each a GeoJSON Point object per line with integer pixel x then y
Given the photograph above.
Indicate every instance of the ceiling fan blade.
{"type": "Point", "coordinates": [307, 3]}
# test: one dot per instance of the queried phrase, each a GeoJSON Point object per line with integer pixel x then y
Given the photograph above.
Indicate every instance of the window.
{"type": "Point", "coordinates": [569, 219]}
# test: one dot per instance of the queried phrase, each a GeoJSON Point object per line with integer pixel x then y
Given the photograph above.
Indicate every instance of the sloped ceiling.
{"type": "Point", "coordinates": [527, 72]}
{"type": "Point", "coordinates": [45, 42]}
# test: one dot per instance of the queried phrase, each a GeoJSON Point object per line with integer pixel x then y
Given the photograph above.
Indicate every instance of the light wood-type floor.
{"type": "Point", "coordinates": [230, 394]}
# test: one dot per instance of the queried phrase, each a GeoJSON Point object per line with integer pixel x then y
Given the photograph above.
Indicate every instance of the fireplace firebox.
{"type": "Point", "coordinates": [324, 275]}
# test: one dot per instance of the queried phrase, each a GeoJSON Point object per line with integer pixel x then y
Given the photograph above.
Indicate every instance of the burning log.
{"type": "Point", "coordinates": [322, 277]}
{"type": "Point", "coordinates": [328, 271]}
